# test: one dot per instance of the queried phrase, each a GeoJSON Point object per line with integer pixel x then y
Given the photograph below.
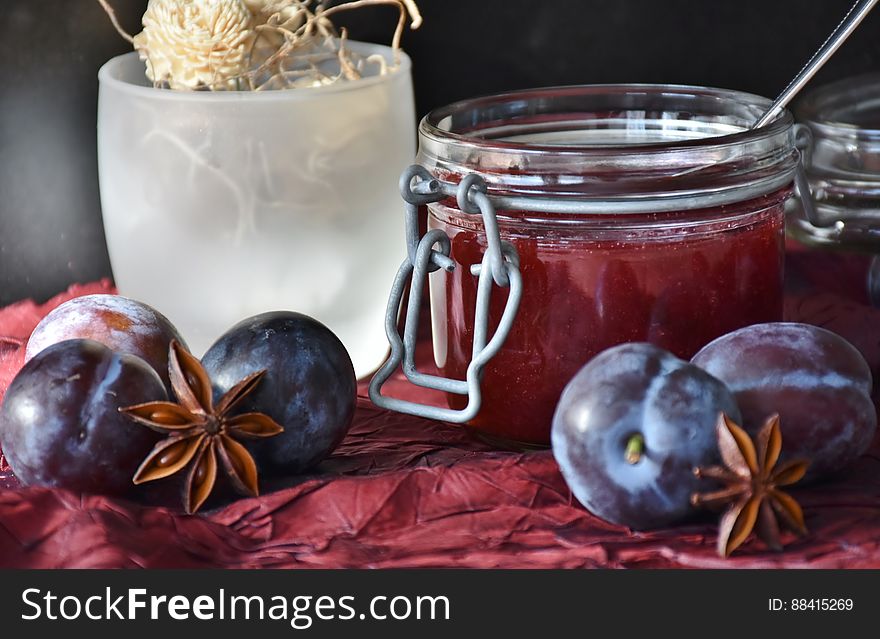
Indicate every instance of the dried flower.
{"type": "Point", "coordinates": [255, 44]}
{"type": "Point", "coordinates": [192, 44]}
{"type": "Point", "coordinates": [290, 14]}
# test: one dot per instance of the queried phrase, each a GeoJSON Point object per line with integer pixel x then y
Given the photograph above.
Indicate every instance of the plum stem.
{"type": "Point", "coordinates": [635, 448]}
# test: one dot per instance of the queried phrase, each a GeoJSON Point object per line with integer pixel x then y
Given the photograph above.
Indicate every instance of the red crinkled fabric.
{"type": "Point", "coordinates": [406, 492]}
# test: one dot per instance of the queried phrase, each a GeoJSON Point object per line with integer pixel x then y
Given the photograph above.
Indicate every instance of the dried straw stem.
{"type": "Point", "coordinates": [404, 6]}
{"type": "Point", "coordinates": [111, 13]}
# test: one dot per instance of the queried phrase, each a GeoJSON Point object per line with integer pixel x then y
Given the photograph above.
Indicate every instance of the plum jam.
{"type": "Point", "coordinates": [640, 213]}
{"type": "Point", "coordinates": [592, 285]}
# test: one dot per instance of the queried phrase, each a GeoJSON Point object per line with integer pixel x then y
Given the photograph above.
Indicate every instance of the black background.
{"type": "Point", "coordinates": [50, 51]}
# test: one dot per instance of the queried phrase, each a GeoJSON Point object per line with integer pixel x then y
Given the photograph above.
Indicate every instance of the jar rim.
{"type": "Point", "coordinates": [431, 127]}
{"type": "Point", "coordinates": [833, 108]}
{"type": "Point", "coordinates": [614, 148]}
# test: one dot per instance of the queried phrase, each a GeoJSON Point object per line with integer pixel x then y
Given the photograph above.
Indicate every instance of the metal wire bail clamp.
{"type": "Point", "coordinates": [426, 254]}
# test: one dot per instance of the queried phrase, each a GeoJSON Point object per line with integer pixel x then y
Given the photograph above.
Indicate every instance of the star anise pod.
{"type": "Point", "coordinates": [751, 480]}
{"type": "Point", "coordinates": [199, 431]}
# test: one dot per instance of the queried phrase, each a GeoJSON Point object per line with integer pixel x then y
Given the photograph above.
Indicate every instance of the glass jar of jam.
{"type": "Point", "coordinates": [839, 132]}
{"type": "Point", "coordinates": [638, 213]}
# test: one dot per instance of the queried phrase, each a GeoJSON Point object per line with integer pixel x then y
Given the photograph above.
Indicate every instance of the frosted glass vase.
{"type": "Point", "coordinates": [219, 206]}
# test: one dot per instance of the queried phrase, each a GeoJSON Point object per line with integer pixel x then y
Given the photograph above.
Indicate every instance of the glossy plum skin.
{"type": "Point", "coordinates": [817, 381]}
{"type": "Point", "coordinates": [60, 425]}
{"type": "Point", "coordinates": [309, 387]}
{"type": "Point", "coordinates": [638, 389]}
{"type": "Point", "coordinates": [125, 325]}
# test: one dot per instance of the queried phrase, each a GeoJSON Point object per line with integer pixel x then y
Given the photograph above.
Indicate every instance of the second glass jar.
{"type": "Point", "coordinates": [669, 229]}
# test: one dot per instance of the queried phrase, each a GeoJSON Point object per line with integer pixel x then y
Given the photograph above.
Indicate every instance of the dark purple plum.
{"type": "Point", "coordinates": [309, 387]}
{"type": "Point", "coordinates": [629, 430]}
{"type": "Point", "coordinates": [60, 425]}
{"type": "Point", "coordinates": [125, 325]}
{"type": "Point", "coordinates": [817, 381]}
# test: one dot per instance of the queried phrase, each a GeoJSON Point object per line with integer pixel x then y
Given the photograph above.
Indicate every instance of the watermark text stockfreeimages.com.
{"type": "Point", "coordinates": [300, 611]}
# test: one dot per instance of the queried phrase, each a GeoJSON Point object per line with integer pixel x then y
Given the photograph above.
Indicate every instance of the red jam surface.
{"type": "Point", "coordinates": [675, 280]}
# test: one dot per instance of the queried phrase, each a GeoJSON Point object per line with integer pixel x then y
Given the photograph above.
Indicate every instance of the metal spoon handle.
{"type": "Point", "coordinates": [850, 21]}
